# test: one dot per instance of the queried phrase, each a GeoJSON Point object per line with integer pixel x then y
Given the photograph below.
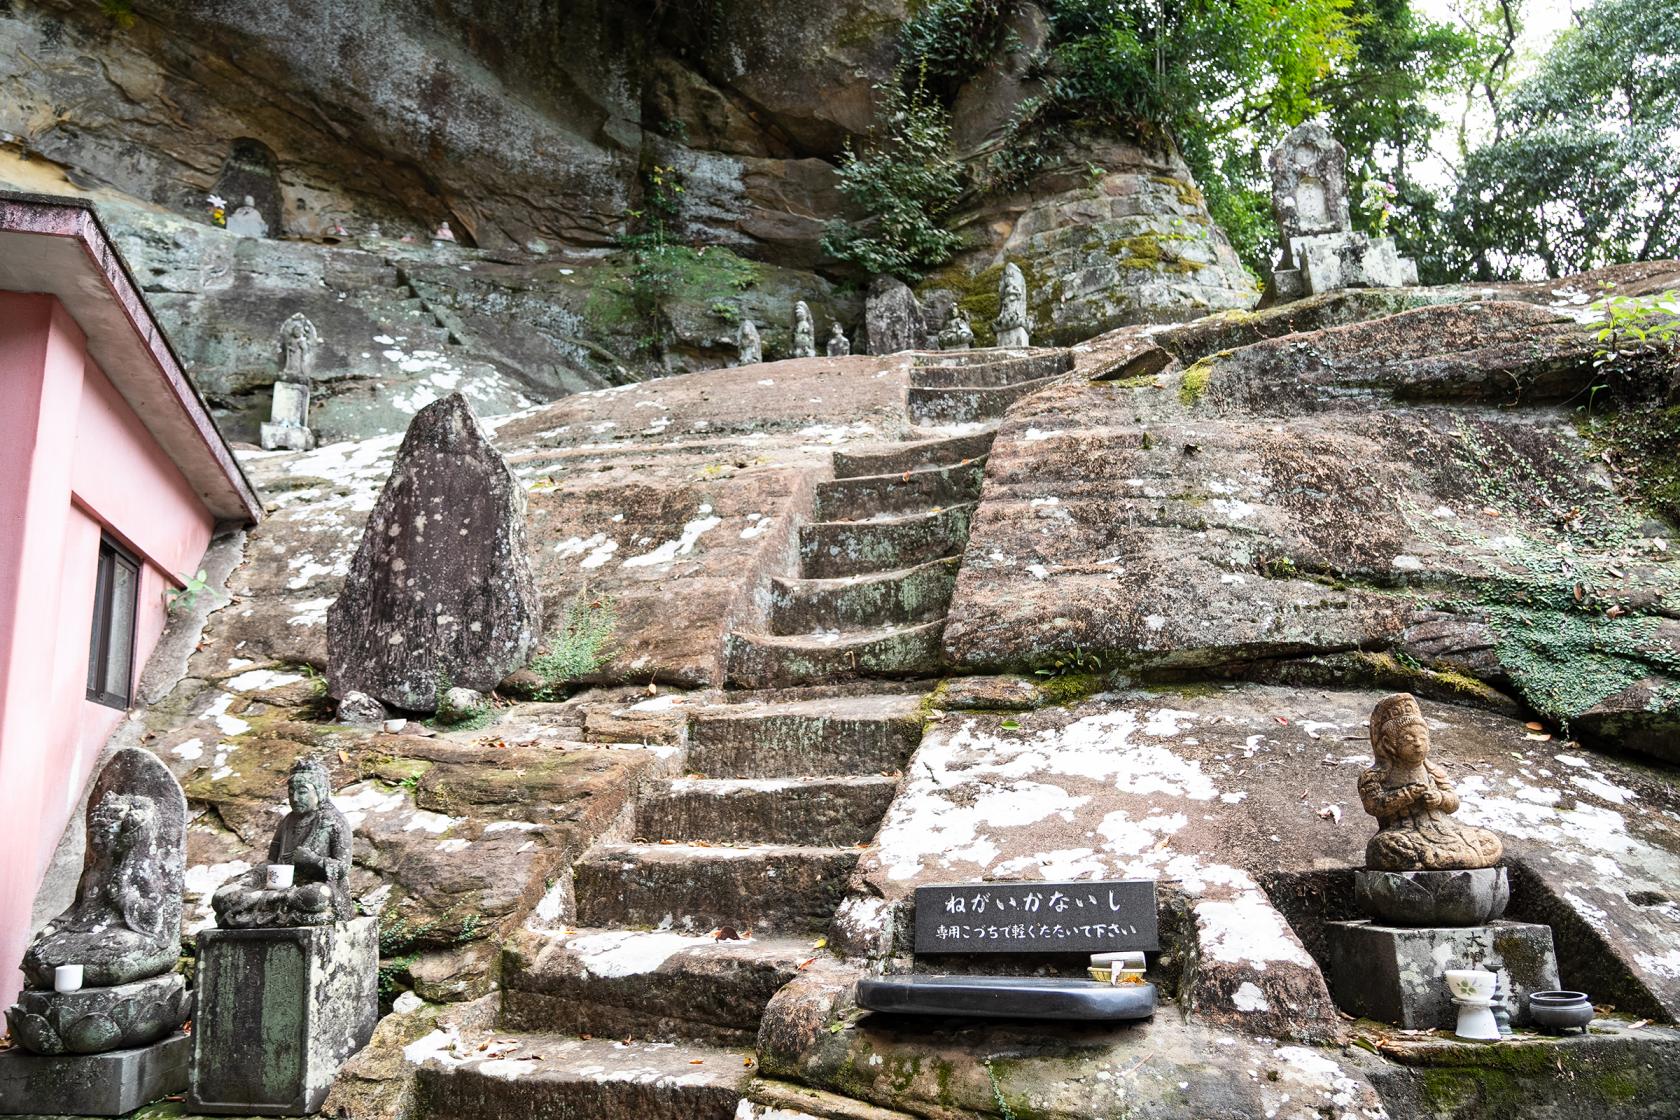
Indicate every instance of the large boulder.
{"type": "Point", "coordinates": [440, 592]}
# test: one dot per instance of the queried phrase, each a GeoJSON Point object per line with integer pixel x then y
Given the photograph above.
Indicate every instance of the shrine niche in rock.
{"type": "Point", "coordinates": [288, 985]}
{"type": "Point", "coordinates": [99, 1025]}
{"type": "Point", "coordinates": [1433, 890]}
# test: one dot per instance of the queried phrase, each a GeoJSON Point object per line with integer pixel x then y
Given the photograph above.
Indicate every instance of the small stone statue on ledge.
{"type": "Point", "coordinates": [804, 331]}
{"type": "Point", "coordinates": [1412, 799]}
{"type": "Point", "coordinates": [315, 839]}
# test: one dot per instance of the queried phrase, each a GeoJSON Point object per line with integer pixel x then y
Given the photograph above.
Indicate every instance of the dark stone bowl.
{"type": "Point", "coordinates": [1433, 898]}
{"type": "Point", "coordinates": [1560, 1011]}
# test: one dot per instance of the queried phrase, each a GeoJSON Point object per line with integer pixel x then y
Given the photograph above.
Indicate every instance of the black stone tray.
{"type": "Point", "coordinates": [1007, 997]}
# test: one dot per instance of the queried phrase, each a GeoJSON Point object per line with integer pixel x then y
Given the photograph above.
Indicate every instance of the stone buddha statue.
{"type": "Point", "coordinates": [316, 840]}
{"type": "Point", "coordinates": [125, 922]}
{"type": "Point", "coordinates": [1413, 801]}
{"type": "Point", "coordinates": [124, 928]}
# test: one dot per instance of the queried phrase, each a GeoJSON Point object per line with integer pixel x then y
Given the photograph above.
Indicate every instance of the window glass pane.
{"type": "Point", "coordinates": [120, 648]}
{"type": "Point", "coordinates": [101, 607]}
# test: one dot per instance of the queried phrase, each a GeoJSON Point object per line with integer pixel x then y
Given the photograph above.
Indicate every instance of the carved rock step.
{"type": "Point", "coordinates": [861, 602]}
{"type": "Point", "coordinates": [847, 548]}
{"type": "Point", "coordinates": [768, 890]}
{"type": "Point", "coordinates": [912, 456]}
{"type": "Point", "coordinates": [848, 498]}
{"type": "Point", "coordinates": [968, 403]}
{"type": "Point", "coordinates": [789, 660]}
{"type": "Point", "coordinates": [584, 1079]}
{"type": "Point", "coordinates": [835, 811]}
{"type": "Point", "coordinates": [1011, 371]}
{"type": "Point", "coordinates": [842, 735]}
{"type": "Point", "coordinates": [646, 984]}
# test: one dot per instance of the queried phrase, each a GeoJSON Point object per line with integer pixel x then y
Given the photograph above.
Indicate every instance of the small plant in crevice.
{"type": "Point", "coordinates": [582, 646]}
{"type": "Point", "coordinates": [1072, 662]}
{"type": "Point", "coordinates": [320, 705]}
{"type": "Point", "coordinates": [1635, 330]}
{"type": "Point", "coordinates": [186, 596]}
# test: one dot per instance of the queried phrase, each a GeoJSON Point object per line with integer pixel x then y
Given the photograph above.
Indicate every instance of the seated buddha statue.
{"type": "Point", "coordinates": [125, 923]}
{"type": "Point", "coordinates": [315, 839]}
{"type": "Point", "coordinates": [1413, 800]}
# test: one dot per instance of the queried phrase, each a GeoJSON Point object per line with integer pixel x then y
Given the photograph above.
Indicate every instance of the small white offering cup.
{"type": "Point", "coordinates": [279, 876]}
{"type": "Point", "coordinates": [67, 978]}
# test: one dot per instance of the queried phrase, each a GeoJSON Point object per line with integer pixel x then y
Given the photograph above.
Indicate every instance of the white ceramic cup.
{"type": "Point", "coordinates": [279, 876]}
{"type": "Point", "coordinates": [1471, 983]}
{"type": "Point", "coordinates": [67, 978]}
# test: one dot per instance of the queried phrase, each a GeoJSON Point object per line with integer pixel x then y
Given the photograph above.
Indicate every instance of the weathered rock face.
{"type": "Point", "coordinates": [330, 116]}
{"type": "Point", "coordinates": [440, 592]}
{"type": "Point", "coordinates": [893, 317]}
{"type": "Point", "coordinates": [1132, 245]}
{"type": "Point", "coordinates": [1346, 498]}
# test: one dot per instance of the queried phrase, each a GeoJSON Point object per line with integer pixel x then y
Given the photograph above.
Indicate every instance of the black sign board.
{"type": "Point", "coordinates": [1088, 917]}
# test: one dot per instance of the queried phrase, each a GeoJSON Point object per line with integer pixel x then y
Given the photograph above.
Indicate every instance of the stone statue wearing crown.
{"type": "Point", "coordinates": [315, 840]}
{"type": "Point", "coordinates": [1413, 800]}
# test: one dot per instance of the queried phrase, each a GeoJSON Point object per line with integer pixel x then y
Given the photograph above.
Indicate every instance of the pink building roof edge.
{"type": "Point", "coordinates": [62, 216]}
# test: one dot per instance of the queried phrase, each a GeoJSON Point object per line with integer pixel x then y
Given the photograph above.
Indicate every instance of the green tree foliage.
{"type": "Point", "coordinates": [905, 180]}
{"type": "Point", "coordinates": [1584, 169]}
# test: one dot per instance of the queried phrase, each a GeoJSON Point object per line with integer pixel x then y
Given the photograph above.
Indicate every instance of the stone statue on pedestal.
{"type": "Point", "coordinates": [123, 931]}
{"type": "Point", "coordinates": [1432, 890]}
{"type": "Point", "coordinates": [747, 341]}
{"type": "Point", "coordinates": [1413, 800]}
{"type": "Point", "coordinates": [956, 334]}
{"type": "Point", "coordinates": [290, 960]}
{"type": "Point", "coordinates": [1011, 321]}
{"type": "Point", "coordinates": [838, 344]}
{"type": "Point", "coordinates": [804, 332]}
{"type": "Point", "coordinates": [1320, 252]}
{"type": "Point", "coordinates": [287, 427]}
{"type": "Point", "coordinates": [315, 839]}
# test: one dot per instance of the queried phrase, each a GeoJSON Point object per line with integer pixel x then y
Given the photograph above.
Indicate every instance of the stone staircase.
{"type": "Point", "coordinates": [975, 386]}
{"type": "Point", "coordinates": [421, 321]}
{"type": "Point", "coordinates": [878, 562]}
{"type": "Point", "coordinates": [683, 933]}
{"type": "Point", "coordinates": [726, 874]}
{"type": "Point", "coordinates": [876, 570]}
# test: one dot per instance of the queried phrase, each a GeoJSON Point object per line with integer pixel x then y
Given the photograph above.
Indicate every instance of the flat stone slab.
{"type": "Point", "coordinates": [1396, 974]}
{"type": "Point", "coordinates": [279, 1010]}
{"type": "Point", "coordinates": [109, 1084]}
{"type": "Point", "coordinates": [1007, 997]}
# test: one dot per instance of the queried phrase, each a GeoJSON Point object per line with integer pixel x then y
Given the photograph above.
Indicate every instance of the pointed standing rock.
{"type": "Point", "coordinates": [441, 588]}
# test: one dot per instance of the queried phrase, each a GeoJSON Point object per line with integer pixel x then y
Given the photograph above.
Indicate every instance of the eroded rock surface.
{"type": "Point", "coordinates": [1386, 500]}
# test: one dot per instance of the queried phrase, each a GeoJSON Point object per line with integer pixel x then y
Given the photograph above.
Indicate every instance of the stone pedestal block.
{"type": "Point", "coordinates": [1396, 975]}
{"type": "Point", "coordinates": [279, 1010]}
{"type": "Point", "coordinates": [109, 1084]}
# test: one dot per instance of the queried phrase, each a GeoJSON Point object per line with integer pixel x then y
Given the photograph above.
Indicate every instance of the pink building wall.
{"type": "Point", "coordinates": [74, 461]}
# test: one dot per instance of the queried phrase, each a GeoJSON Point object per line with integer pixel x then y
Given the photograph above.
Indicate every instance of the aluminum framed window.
{"type": "Point", "coordinates": [116, 603]}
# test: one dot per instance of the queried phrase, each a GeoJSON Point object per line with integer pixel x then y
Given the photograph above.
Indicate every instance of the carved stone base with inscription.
{"type": "Point", "coordinates": [279, 1010]}
{"type": "Point", "coordinates": [110, 1084]}
{"type": "Point", "coordinates": [1395, 974]}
